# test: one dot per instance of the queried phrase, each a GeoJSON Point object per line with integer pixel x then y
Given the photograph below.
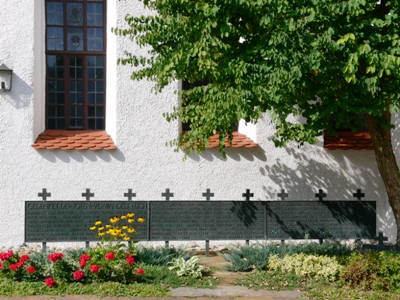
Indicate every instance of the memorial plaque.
{"type": "Point", "coordinates": [200, 220]}
{"type": "Point", "coordinates": [321, 219]}
{"type": "Point", "coordinates": [64, 221]}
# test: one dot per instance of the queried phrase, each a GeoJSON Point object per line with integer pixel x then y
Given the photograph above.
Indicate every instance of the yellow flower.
{"type": "Point", "coordinates": [131, 220]}
{"type": "Point", "coordinates": [101, 234]}
{"type": "Point", "coordinates": [131, 230]}
{"type": "Point", "coordinates": [114, 220]}
{"type": "Point", "coordinates": [130, 215]}
{"type": "Point", "coordinates": [101, 228]}
{"type": "Point", "coordinates": [93, 228]}
{"type": "Point", "coordinates": [127, 238]}
{"type": "Point", "coordinates": [123, 217]}
{"type": "Point", "coordinates": [108, 226]}
{"type": "Point", "coordinates": [98, 223]}
{"type": "Point", "coordinates": [124, 227]}
{"type": "Point", "coordinates": [140, 220]}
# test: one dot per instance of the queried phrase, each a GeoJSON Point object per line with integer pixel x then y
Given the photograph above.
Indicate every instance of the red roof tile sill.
{"type": "Point", "coordinates": [239, 140]}
{"type": "Point", "coordinates": [74, 140]}
{"type": "Point", "coordinates": [348, 140]}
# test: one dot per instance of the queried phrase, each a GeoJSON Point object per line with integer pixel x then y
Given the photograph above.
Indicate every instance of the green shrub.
{"type": "Point", "coordinates": [306, 265]}
{"type": "Point", "coordinates": [159, 256]}
{"type": "Point", "coordinates": [190, 267]}
{"type": "Point", "coordinates": [373, 270]}
{"type": "Point", "coordinates": [247, 258]}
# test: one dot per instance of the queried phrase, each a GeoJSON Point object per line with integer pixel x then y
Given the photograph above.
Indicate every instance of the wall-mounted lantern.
{"type": "Point", "coordinates": [5, 78]}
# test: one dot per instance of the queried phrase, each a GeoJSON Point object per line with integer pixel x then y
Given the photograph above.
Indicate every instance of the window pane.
{"type": "Point", "coordinates": [95, 39]}
{"type": "Point", "coordinates": [76, 92]}
{"type": "Point", "coordinates": [75, 39]}
{"type": "Point", "coordinates": [95, 67]}
{"type": "Point", "coordinates": [55, 13]}
{"type": "Point", "coordinates": [76, 116]}
{"type": "Point", "coordinates": [76, 67]}
{"type": "Point", "coordinates": [55, 38]}
{"type": "Point", "coordinates": [95, 14]}
{"type": "Point", "coordinates": [55, 66]}
{"type": "Point", "coordinates": [74, 14]}
{"type": "Point", "coordinates": [96, 92]}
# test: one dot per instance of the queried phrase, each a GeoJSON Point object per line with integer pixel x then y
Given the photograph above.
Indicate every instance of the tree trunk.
{"type": "Point", "coordinates": [387, 165]}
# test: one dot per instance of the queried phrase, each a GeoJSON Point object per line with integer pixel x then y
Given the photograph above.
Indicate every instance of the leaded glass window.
{"type": "Point", "coordinates": [75, 64]}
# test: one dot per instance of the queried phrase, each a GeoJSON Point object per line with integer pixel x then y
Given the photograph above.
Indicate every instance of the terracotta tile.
{"type": "Point", "coordinates": [346, 140]}
{"type": "Point", "coordinates": [239, 140]}
{"type": "Point", "coordinates": [74, 140]}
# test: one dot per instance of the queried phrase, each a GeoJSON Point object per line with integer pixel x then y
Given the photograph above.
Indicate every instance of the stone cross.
{"type": "Point", "coordinates": [129, 194]}
{"type": "Point", "coordinates": [381, 239]}
{"type": "Point", "coordinates": [208, 194]}
{"type": "Point", "coordinates": [87, 194]}
{"type": "Point", "coordinates": [167, 194]}
{"type": "Point", "coordinates": [320, 195]}
{"type": "Point", "coordinates": [358, 195]}
{"type": "Point", "coordinates": [247, 195]}
{"type": "Point", "coordinates": [44, 194]}
{"type": "Point", "coordinates": [282, 194]}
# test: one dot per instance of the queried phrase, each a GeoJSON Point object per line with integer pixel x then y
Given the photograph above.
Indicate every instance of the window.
{"type": "Point", "coordinates": [75, 64]}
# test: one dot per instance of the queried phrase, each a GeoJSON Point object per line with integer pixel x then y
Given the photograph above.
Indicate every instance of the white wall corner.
{"type": "Point", "coordinates": [248, 129]}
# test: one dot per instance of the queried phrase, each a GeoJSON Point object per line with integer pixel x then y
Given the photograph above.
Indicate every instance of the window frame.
{"type": "Point", "coordinates": [67, 55]}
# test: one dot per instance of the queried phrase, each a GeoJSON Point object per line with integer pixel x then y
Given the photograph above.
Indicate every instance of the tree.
{"type": "Point", "coordinates": [319, 60]}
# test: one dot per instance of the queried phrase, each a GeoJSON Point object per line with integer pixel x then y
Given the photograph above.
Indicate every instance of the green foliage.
{"type": "Point", "coordinates": [277, 280]}
{"type": "Point", "coordinates": [306, 265]}
{"type": "Point", "coordinates": [159, 256]}
{"type": "Point", "coordinates": [319, 60]}
{"type": "Point", "coordinates": [162, 275]}
{"type": "Point", "coordinates": [256, 257]}
{"type": "Point", "coordinates": [373, 270]}
{"type": "Point", "coordinates": [190, 267]}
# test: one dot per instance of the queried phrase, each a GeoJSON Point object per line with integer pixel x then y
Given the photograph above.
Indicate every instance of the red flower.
{"type": "Point", "coordinates": [13, 267]}
{"type": "Point", "coordinates": [130, 259]}
{"type": "Point", "coordinates": [79, 275]}
{"type": "Point", "coordinates": [82, 263]}
{"type": "Point", "coordinates": [85, 257]}
{"type": "Point", "coordinates": [109, 256]}
{"type": "Point", "coordinates": [19, 264]}
{"type": "Point", "coordinates": [6, 255]}
{"type": "Point", "coordinates": [94, 268]}
{"type": "Point", "coordinates": [55, 256]}
{"type": "Point", "coordinates": [49, 282]}
{"type": "Point", "coordinates": [1, 266]}
{"type": "Point", "coordinates": [30, 269]}
{"type": "Point", "coordinates": [24, 258]}
{"type": "Point", "coordinates": [140, 271]}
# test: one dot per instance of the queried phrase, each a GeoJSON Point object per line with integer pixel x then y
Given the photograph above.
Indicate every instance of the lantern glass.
{"type": "Point", "coordinates": [5, 78]}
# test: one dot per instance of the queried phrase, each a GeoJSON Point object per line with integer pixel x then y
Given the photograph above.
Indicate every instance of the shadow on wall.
{"type": "Point", "coordinates": [237, 154]}
{"type": "Point", "coordinates": [337, 173]}
{"type": "Point", "coordinates": [21, 93]}
{"type": "Point", "coordinates": [55, 156]}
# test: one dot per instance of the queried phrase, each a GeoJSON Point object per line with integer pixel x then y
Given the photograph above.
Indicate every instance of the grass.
{"type": "Point", "coordinates": [314, 289]}
{"type": "Point", "coordinates": [12, 288]}
{"type": "Point", "coordinates": [156, 283]}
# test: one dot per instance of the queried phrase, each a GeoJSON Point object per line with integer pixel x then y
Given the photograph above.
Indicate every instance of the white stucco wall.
{"type": "Point", "coordinates": [142, 161]}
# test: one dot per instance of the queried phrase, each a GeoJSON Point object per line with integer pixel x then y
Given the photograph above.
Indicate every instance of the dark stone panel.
{"type": "Point", "coordinates": [201, 220]}
{"type": "Point", "coordinates": [321, 219]}
{"type": "Point", "coordinates": [64, 221]}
